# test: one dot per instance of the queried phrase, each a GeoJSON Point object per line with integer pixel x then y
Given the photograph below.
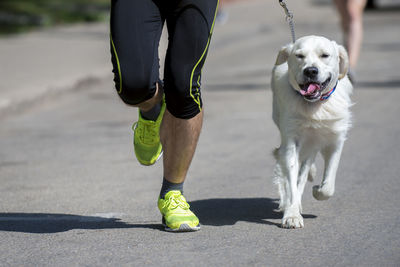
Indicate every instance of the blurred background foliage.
{"type": "Point", "coordinates": [23, 15]}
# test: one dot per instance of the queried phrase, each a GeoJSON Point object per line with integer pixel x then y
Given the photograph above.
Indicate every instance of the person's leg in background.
{"type": "Point", "coordinates": [351, 13]}
{"type": "Point", "coordinates": [222, 14]}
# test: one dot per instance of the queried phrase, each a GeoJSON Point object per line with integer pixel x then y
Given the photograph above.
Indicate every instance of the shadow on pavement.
{"type": "Point", "coordinates": [228, 211]}
{"type": "Point", "coordinates": [215, 212]}
{"type": "Point", "coordinates": [44, 223]}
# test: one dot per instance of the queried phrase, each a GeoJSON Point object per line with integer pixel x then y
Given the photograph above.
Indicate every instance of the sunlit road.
{"type": "Point", "coordinates": [72, 192]}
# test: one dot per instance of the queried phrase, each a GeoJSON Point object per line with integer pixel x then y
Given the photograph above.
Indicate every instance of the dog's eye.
{"type": "Point", "coordinates": [325, 55]}
{"type": "Point", "coordinates": [300, 56]}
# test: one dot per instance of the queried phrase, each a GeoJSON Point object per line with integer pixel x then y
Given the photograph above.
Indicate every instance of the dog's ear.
{"type": "Point", "coordinates": [283, 54]}
{"type": "Point", "coordinates": [343, 61]}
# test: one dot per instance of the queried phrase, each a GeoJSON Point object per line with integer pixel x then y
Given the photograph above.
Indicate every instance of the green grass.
{"type": "Point", "coordinates": [22, 15]}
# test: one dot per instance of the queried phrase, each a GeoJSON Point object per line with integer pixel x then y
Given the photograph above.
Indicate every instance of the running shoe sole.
{"type": "Point", "coordinates": [182, 228]}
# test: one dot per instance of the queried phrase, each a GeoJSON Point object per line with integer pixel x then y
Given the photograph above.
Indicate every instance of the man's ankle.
{"type": "Point", "coordinates": [151, 114]}
{"type": "Point", "coordinates": [167, 186]}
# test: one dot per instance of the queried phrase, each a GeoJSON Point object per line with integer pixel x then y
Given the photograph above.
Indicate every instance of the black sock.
{"type": "Point", "coordinates": [168, 186]}
{"type": "Point", "coordinates": [152, 114]}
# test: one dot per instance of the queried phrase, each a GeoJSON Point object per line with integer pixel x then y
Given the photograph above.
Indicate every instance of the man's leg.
{"type": "Point", "coordinates": [190, 26]}
{"type": "Point", "coordinates": [136, 28]}
{"type": "Point", "coordinates": [146, 106]}
{"type": "Point", "coordinates": [147, 143]}
{"type": "Point", "coordinates": [190, 32]}
{"type": "Point", "coordinates": [179, 139]}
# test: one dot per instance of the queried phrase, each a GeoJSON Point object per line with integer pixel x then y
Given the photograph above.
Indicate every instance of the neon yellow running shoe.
{"type": "Point", "coordinates": [146, 139]}
{"type": "Point", "coordinates": [177, 217]}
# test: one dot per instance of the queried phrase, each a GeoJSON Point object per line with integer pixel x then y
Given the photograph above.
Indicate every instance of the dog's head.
{"type": "Point", "coordinates": [315, 64]}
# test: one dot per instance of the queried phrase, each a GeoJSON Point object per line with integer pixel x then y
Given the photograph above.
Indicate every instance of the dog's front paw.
{"type": "Point", "coordinates": [322, 192]}
{"type": "Point", "coordinates": [293, 222]}
{"type": "Point", "coordinates": [292, 218]}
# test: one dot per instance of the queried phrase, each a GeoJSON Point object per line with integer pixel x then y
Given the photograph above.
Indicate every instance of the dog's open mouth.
{"type": "Point", "coordinates": [312, 91]}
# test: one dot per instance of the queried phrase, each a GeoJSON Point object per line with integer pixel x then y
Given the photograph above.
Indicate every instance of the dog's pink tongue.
{"type": "Point", "coordinates": [312, 87]}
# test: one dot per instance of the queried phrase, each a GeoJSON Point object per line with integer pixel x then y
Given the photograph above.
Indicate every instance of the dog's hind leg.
{"type": "Point", "coordinates": [331, 156]}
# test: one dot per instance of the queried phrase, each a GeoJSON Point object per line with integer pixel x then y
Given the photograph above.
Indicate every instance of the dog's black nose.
{"type": "Point", "coordinates": [311, 72]}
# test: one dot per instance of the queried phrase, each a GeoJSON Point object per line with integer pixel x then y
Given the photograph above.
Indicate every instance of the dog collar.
{"type": "Point", "coordinates": [327, 95]}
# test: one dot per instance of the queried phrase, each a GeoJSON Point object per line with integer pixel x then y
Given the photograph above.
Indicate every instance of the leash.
{"type": "Point", "coordinates": [289, 19]}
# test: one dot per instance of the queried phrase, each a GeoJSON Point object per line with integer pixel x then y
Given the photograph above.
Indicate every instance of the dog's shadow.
{"type": "Point", "coordinates": [228, 211]}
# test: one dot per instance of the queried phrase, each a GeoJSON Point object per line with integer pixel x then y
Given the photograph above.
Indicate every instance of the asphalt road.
{"type": "Point", "coordinates": [73, 194]}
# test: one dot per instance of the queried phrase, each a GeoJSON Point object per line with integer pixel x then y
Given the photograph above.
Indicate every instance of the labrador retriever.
{"type": "Point", "coordinates": [311, 108]}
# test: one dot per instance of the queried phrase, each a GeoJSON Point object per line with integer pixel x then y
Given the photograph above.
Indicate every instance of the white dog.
{"type": "Point", "coordinates": [311, 102]}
